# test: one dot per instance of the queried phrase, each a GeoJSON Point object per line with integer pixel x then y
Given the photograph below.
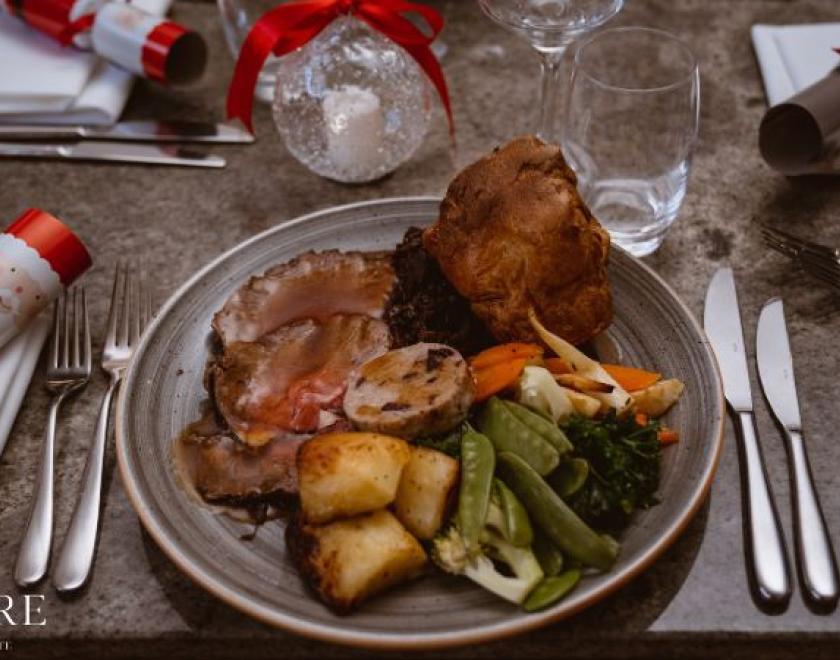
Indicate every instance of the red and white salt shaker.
{"type": "Point", "coordinates": [39, 256]}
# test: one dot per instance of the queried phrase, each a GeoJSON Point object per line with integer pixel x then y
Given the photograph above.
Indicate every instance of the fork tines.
{"type": "Point", "coordinates": [131, 306]}
{"type": "Point", "coordinates": [821, 261]}
{"type": "Point", "coordinates": [71, 346]}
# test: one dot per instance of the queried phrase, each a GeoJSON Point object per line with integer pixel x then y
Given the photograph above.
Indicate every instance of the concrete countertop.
{"type": "Point", "coordinates": [694, 602]}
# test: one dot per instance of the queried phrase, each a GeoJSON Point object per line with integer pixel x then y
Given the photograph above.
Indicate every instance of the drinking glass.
{"type": "Point", "coordinates": [550, 26]}
{"type": "Point", "coordinates": [631, 125]}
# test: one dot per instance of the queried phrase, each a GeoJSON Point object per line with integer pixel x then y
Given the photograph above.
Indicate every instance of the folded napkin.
{"type": "Point", "coordinates": [51, 84]}
{"type": "Point", "coordinates": [18, 359]}
{"type": "Point", "coordinates": [793, 57]}
{"type": "Point", "coordinates": [800, 132]}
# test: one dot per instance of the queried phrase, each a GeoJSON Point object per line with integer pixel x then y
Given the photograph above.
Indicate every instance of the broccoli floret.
{"type": "Point", "coordinates": [450, 553]}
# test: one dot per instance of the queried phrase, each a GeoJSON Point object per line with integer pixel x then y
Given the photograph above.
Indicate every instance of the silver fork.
{"type": "Point", "coordinates": [818, 260]}
{"type": "Point", "coordinates": [131, 310]}
{"type": "Point", "coordinates": [68, 371]}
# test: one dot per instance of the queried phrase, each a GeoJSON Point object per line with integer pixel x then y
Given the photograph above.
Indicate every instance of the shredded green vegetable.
{"type": "Point", "coordinates": [624, 466]}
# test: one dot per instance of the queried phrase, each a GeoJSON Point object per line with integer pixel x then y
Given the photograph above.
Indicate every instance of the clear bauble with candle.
{"type": "Point", "coordinates": [351, 105]}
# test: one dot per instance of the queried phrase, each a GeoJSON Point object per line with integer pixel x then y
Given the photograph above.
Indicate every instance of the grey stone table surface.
{"type": "Point", "coordinates": [694, 602]}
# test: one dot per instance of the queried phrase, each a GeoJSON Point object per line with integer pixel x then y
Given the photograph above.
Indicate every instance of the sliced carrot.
{"type": "Point", "coordinates": [641, 419]}
{"type": "Point", "coordinates": [630, 378]}
{"type": "Point", "coordinates": [497, 377]}
{"type": "Point", "coordinates": [505, 353]}
{"type": "Point", "coordinates": [668, 436]}
{"type": "Point", "coordinates": [557, 365]}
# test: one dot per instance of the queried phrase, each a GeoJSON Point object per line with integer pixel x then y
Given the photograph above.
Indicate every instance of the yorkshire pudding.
{"type": "Point", "coordinates": [514, 233]}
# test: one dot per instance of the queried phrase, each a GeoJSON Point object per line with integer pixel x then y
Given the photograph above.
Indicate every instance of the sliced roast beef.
{"type": "Point", "coordinates": [293, 378]}
{"type": "Point", "coordinates": [315, 285]}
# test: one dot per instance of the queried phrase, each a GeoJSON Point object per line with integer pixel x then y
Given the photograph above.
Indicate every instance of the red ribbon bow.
{"type": "Point", "coordinates": [293, 24]}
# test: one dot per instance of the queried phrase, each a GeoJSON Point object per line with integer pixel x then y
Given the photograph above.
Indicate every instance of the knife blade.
{"type": "Point", "coordinates": [767, 556]}
{"type": "Point", "coordinates": [112, 152]}
{"type": "Point", "coordinates": [817, 562]}
{"type": "Point", "coordinates": [722, 321]}
{"type": "Point", "coordinates": [142, 131]}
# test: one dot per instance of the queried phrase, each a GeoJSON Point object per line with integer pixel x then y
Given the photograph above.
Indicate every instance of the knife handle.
{"type": "Point", "coordinates": [768, 557]}
{"type": "Point", "coordinates": [817, 563]}
{"type": "Point", "coordinates": [18, 132]}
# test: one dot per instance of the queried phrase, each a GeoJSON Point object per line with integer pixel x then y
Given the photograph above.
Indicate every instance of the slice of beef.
{"type": "Point", "coordinates": [315, 285]}
{"type": "Point", "coordinates": [223, 470]}
{"type": "Point", "coordinates": [290, 379]}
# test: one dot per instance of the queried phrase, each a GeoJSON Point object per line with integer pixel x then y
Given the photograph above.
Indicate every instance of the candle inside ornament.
{"type": "Point", "coordinates": [355, 126]}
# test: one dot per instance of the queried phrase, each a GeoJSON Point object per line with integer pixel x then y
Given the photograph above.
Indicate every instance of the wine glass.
{"type": "Point", "coordinates": [550, 26]}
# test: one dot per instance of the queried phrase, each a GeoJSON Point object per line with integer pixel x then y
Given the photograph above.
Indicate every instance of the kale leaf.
{"type": "Point", "coordinates": [448, 443]}
{"type": "Point", "coordinates": [624, 466]}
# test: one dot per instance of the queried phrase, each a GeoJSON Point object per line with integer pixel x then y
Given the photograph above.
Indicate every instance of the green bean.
{"type": "Point", "coordinates": [517, 526]}
{"type": "Point", "coordinates": [548, 554]}
{"type": "Point", "coordinates": [553, 516]}
{"type": "Point", "coordinates": [547, 428]}
{"type": "Point", "coordinates": [478, 461]}
{"type": "Point", "coordinates": [507, 433]}
{"type": "Point", "coordinates": [550, 590]}
{"type": "Point", "coordinates": [569, 476]}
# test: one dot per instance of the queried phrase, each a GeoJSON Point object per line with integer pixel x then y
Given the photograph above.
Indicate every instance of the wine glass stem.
{"type": "Point", "coordinates": [550, 94]}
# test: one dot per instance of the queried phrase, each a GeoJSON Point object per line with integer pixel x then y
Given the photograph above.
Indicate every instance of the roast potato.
{"type": "Point", "coordinates": [349, 560]}
{"type": "Point", "coordinates": [427, 488]}
{"type": "Point", "coordinates": [344, 474]}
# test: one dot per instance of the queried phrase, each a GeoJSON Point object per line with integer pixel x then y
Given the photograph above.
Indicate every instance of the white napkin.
{"type": "Point", "coordinates": [793, 57]}
{"type": "Point", "coordinates": [17, 364]}
{"type": "Point", "coordinates": [50, 84]}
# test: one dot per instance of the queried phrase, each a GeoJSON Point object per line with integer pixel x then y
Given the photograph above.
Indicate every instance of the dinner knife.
{"type": "Point", "coordinates": [142, 131]}
{"type": "Point", "coordinates": [111, 151]}
{"type": "Point", "coordinates": [767, 555]}
{"type": "Point", "coordinates": [817, 563]}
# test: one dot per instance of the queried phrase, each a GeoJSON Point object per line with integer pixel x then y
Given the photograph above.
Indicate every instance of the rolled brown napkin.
{"type": "Point", "coordinates": [802, 135]}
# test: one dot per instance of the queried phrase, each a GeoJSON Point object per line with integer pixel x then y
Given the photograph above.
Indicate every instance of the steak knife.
{"type": "Point", "coordinates": [142, 131]}
{"type": "Point", "coordinates": [111, 151]}
{"type": "Point", "coordinates": [817, 563]}
{"type": "Point", "coordinates": [767, 556]}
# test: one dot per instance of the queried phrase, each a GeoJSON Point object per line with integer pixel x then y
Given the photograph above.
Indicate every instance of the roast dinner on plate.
{"type": "Point", "coordinates": [437, 407]}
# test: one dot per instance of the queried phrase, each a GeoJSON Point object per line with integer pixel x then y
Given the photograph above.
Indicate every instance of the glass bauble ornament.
{"type": "Point", "coordinates": [351, 104]}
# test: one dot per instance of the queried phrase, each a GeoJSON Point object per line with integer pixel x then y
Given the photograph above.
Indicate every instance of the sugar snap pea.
{"type": "Point", "coordinates": [569, 476]}
{"type": "Point", "coordinates": [548, 429]}
{"type": "Point", "coordinates": [478, 461]}
{"type": "Point", "coordinates": [507, 433]}
{"type": "Point", "coordinates": [550, 590]}
{"type": "Point", "coordinates": [517, 525]}
{"type": "Point", "coordinates": [553, 516]}
{"type": "Point", "coordinates": [548, 554]}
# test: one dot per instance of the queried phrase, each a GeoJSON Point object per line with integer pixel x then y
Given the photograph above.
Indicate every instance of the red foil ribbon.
{"type": "Point", "coordinates": [81, 24]}
{"type": "Point", "coordinates": [157, 47]}
{"type": "Point", "coordinates": [54, 241]}
{"type": "Point", "coordinates": [293, 24]}
{"type": "Point", "coordinates": [48, 16]}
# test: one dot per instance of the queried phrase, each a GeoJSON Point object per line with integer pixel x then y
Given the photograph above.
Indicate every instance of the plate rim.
{"type": "Point", "coordinates": [397, 641]}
